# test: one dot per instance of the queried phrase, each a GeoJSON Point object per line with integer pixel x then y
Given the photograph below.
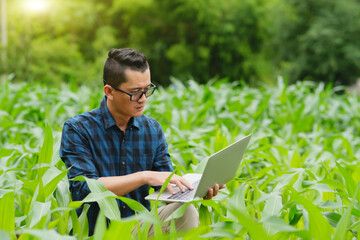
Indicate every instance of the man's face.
{"type": "Point", "coordinates": [136, 81]}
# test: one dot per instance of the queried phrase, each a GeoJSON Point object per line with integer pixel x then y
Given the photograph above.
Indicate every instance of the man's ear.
{"type": "Point", "coordinates": [109, 92]}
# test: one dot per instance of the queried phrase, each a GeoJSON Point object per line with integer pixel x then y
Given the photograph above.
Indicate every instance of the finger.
{"type": "Point", "coordinates": [216, 189]}
{"type": "Point", "coordinates": [175, 181]}
{"type": "Point", "coordinates": [223, 186]}
{"type": "Point", "coordinates": [171, 189]}
{"type": "Point", "coordinates": [210, 193]}
{"type": "Point", "coordinates": [179, 184]}
{"type": "Point", "coordinates": [187, 184]}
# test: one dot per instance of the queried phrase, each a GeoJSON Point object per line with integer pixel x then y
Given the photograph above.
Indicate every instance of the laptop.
{"type": "Point", "coordinates": [220, 169]}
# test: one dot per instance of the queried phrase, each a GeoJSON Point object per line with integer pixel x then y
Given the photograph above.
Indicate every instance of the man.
{"type": "Point", "coordinates": [119, 146]}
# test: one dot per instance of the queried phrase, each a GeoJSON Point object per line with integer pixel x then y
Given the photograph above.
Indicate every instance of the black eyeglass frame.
{"type": "Point", "coordinates": [152, 86]}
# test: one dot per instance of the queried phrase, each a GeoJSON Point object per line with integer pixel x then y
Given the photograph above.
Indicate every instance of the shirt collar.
{"type": "Point", "coordinates": [134, 122]}
{"type": "Point", "coordinates": [109, 120]}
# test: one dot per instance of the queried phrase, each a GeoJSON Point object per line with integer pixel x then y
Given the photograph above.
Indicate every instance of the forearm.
{"type": "Point", "coordinates": [121, 185]}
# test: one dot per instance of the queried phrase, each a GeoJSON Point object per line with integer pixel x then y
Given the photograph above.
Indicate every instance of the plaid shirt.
{"type": "Point", "coordinates": [94, 146]}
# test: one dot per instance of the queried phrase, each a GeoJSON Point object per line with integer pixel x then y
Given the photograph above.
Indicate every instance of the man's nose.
{"type": "Point", "coordinates": [142, 98]}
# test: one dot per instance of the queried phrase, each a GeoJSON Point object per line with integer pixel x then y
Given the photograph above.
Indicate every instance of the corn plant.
{"type": "Point", "coordinates": [299, 178]}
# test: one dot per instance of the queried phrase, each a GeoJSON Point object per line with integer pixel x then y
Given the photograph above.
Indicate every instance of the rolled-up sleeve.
{"type": "Point", "coordinates": [75, 152]}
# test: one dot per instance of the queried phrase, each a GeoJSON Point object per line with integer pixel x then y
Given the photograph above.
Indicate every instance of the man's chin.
{"type": "Point", "coordinates": [138, 114]}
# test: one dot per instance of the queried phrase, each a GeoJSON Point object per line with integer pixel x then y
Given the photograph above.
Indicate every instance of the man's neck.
{"type": "Point", "coordinates": [121, 121]}
{"type": "Point", "coordinates": [122, 125]}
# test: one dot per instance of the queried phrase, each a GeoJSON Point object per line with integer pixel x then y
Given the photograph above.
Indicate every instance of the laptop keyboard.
{"type": "Point", "coordinates": [187, 194]}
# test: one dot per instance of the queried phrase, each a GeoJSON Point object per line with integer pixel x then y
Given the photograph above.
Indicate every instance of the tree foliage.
{"type": "Point", "coordinates": [250, 40]}
{"type": "Point", "coordinates": [317, 40]}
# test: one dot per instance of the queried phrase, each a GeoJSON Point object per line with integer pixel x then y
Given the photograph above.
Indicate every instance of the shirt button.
{"type": "Point", "coordinates": [123, 207]}
{"type": "Point", "coordinates": [123, 163]}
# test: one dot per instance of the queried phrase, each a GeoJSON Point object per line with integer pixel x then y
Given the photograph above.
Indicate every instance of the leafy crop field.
{"type": "Point", "coordinates": [298, 179]}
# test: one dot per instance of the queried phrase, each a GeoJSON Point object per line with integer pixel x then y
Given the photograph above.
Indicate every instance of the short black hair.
{"type": "Point", "coordinates": [121, 59]}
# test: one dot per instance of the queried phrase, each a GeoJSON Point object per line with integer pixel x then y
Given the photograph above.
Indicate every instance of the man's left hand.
{"type": "Point", "coordinates": [213, 191]}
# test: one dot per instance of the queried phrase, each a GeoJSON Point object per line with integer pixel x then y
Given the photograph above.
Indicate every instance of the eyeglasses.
{"type": "Point", "coordinates": [136, 95]}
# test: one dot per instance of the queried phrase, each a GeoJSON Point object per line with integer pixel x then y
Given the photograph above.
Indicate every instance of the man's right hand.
{"type": "Point", "coordinates": [154, 178]}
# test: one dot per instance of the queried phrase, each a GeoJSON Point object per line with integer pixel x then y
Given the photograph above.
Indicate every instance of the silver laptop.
{"type": "Point", "coordinates": [220, 168]}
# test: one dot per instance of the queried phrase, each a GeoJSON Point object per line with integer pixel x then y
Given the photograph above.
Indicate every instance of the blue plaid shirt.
{"type": "Point", "coordinates": [94, 146]}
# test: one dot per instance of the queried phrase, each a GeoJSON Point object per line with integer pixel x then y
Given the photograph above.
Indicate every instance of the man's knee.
{"type": "Point", "coordinates": [189, 220]}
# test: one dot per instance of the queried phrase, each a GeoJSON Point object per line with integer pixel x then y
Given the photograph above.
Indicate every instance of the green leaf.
{"type": "Point", "coordinates": [164, 186]}
{"type": "Point", "coordinates": [179, 212]}
{"type": "Point", "coordinates": [172, 234]}
{"type": "Point", "coordinates": [76, 228]}
{"type": "Point", "coordinates": [120, 230]}
{"type": "Point", "coordinates": [196, 232]}
{"type": "Point", "coordinates": [83, 230]}
{"type": "Point", "coordinates": [97, 196]}
{"type": "Point", "coordinates": [296, 160]}
{"type": "Point", "coordinates": [46, 235]}
{"type": "Point", "coordinates": [346, 144]}
{"type": "Point", "coordinates": [238, 200]}
{"type": "Point", "coordinates": [350, 183]}
{"type": "Point", "coordinates": [62, 194]}
{"type": "Point", "coordinates": [319, 227]}
{"type": "Point", "coordinates": [7, 212]}
{"type": "Point", "coordinates": [46, 150]}
{"type": "Point", "coordinates": [100, 194]}
{"type": "Point", "coordinates": [39, 214]}
{"type": "Point", "coordinates": [255, 229]}
{"type": "Point", "coordinates": [214, 205]}
{"type": "Point", "coordinates": [273, 206]}
{"type": "Point", "coordinates": [75, 204]}
{"type": "Point", "coordinates": [278, 224]}
{"type": "Point", "coordinates": [134, 205]}
{"type": "Point", "coordinates": [4, 235]}
{"type": "Point", "coordinates": [322, 187]}
{"type": "Point", "coordinates": [220, 233]}
{"type": "Point", "coordinates": [343, 224]}
{"type": "Point", "coordinates": [204, 215]}
{"type": "Point", "coordinates": [50, 187]}
{"type": "Point", "coordinates": [100, 227]}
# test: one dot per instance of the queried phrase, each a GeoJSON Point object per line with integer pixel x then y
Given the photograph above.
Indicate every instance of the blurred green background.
{"type": "Point", "coordinates": [253, 41]}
